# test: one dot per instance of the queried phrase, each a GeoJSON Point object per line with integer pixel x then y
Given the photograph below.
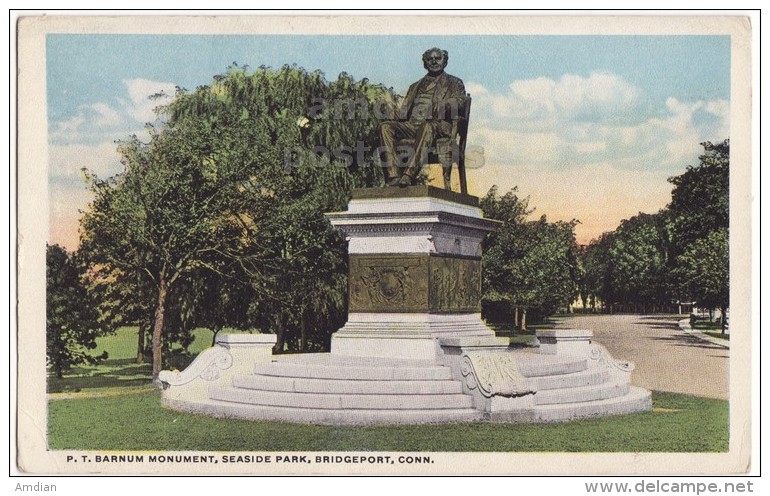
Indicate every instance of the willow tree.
{"type": "Point", "coordinates": [233, 186]}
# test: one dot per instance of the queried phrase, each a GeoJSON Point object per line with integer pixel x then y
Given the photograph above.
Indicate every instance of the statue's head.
{"type": "Point", "coordinates": [435, 60]}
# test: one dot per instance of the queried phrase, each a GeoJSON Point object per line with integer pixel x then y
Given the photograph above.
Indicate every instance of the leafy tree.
{"type": "Point", "coordinates": [229, 194]}
{"type": "Point", "coordinates": [531, 266]}
{"type": "Point", "coordinates": [72, 320]}
{"type": "Point", "coordinates": [597, 267]}
{"type": "Point", "coordinates": [122, 301]}
{"type": "Point", "coordinates": [700, 228]}
{"type": "Point", "coordinates": [700, 198]}
{"type": "Point", "coordinates": [653, 259]}
{"type": "Point", "coordinates": [703, 272]}
{"type": "Point", "coordinates": [639, 261]}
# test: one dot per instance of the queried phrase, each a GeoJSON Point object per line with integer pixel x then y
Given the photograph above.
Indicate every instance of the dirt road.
{"type": "Point", "coordinates": [666, 358]}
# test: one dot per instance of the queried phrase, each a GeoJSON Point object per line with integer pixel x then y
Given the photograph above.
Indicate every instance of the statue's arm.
{"type": "Point", "coordinates": [454, 100]}
{"type": "Point", "coordinates": [406, 102]}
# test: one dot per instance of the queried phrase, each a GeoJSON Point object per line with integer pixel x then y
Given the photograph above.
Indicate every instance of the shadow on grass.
{"type": "Point", "coordinates": [108, 374]}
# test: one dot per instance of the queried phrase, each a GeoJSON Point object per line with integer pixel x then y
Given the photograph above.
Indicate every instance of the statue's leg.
{"type": "Point", "coordinates": [423, 141]}
{"type": "Point", "coordinates": [390, 132]}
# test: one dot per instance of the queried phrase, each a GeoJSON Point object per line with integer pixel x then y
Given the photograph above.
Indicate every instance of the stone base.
{"type": "Point", "coordinates": [565, 341]}
{"type": "Point", "coordinates": [323, 388]}
{"type": "Point", "coordinates": [232, 355]}
{"type": "Point", "coordinates": [405, 335]}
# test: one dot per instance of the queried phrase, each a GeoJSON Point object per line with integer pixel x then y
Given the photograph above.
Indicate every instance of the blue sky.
{"type": "Point", "coordinates": [589, 126]}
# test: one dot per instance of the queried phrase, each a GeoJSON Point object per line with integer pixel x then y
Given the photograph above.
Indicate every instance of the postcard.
{"type": "Point", "coordinates": [415, 245]}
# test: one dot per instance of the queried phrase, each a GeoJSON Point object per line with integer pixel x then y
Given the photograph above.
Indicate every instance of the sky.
{"type": "Point", "coordinates": [588, 127]}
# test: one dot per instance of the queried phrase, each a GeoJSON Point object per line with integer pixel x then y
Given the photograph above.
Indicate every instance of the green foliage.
{"type": "Point", "coordinates": [638, 261]}
{"type": "Point", "coordinates": [217, 221]}
{"type": "Point", "coordinates": [119, 370]}
{"type": "Point", "coordinates": [72, 321]}
{"type": "Point", "coordinates": [679, 424]}
{"type": "Point", "coordinates": [700, 198]}
{"type": "Point", "coordinates": [703, 270]}
{"type": "Point", "coordinates": [700, 212]}
{"type": "Point", "coordinates": [528, 264]}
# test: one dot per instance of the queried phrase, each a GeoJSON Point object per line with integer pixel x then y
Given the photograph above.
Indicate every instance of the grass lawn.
{"type": "Point", "coordinates": [112, 406]}
{"type": "Point", "coordinates": [678, 423]}
{"type": "Point", "coordinates": [705, 325]}
{"type": "Point", "coordinates": [120, 369]}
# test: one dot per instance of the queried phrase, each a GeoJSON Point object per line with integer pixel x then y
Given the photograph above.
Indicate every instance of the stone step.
{"type": "Point", "coordinates": [636, 400]}
{"type": "Point", "coordinates": [342, 401]}
{"type": "Point", "coordinates": [225, 409]}
{"type": "Point", "coordinates": [304, 385]}
{"type": "Point", "coordinates": [545, 365]}
{"type": "Point", "coordinates": [366, 373]}
{"type": "Point", "coordinates": [581, 394]}
{"type": "Point", "coordinates": [586, 377]}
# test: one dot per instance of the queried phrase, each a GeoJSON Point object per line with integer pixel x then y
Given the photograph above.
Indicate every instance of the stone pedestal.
{"type": "Point", "coordinates": [232, 354]}
{"type": "Point", "coordinates": [414, 348]}
{"type": "Point", "coordinates": [415, 271]}
{"type": "Point", "coordinates": [576, 342]}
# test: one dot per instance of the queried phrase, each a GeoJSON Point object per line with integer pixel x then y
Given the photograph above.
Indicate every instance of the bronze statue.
{"type": "Point", "coordinates": [429, 112]}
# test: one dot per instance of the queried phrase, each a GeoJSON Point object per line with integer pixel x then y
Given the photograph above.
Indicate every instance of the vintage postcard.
{"type": "Point", "coordinates": [385, 245]}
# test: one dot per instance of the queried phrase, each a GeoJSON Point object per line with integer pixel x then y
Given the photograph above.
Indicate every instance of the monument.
{"type": "Point", "coordinates": [414, 348]}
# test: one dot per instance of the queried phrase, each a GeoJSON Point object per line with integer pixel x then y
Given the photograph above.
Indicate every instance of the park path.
{"type": "Point", "coordinates": [666, 358]}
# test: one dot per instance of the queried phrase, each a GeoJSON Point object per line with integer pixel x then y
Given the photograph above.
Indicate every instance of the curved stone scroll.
{"type": "Point", "coordinates": [495, 374]}
{"type": "Point", "coordinates": [207, 366]}
{"type": "Point", "coordinates": [600, 354]}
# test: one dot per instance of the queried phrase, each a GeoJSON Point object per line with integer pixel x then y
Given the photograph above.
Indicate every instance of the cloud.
{"type": "Point", "coordinates": [140, 105]}
{"type": "Point", "coordinates": [66, 161]}
{"type": "Point", "coordinates": [67, 130]}
{"type": "Point", "coordinates": [542, 103]}
{"type": "Point", "coordinates": [107, 116]}
{"type": "Point", "coordinates": [588, 147]}
{"type": "Point", "coordinates": [127, 115]}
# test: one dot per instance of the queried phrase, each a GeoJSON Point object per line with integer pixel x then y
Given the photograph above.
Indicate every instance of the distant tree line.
{"type": "Point", "coordinates": [678, 255]}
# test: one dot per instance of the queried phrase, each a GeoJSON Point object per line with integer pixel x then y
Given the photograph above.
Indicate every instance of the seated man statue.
{"type": "Point", "coordinates": [426, 114]}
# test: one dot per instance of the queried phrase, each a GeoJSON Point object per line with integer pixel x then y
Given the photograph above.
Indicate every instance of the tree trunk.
{"type": "Point", "coordinates": [157, 329]}
{"type": "Point", "coordinates": [724, 320]}
{"type": "Point", "coordinates": [523, 323]}
{"type": "Point", "coordinates": [140, 345]}
{"type": "Point", "coordinates": [214, 336]}
{"type": "Point", "coordinates": [515, 317]}
{"type": "Point", "coordinates": [280, 333]}
{"type": "Point", "coordinates": [302, 333]}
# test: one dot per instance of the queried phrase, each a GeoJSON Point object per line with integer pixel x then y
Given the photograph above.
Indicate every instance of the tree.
{"type": "Point", "coordinates": [639, 260]}
{"type": "Point", "coordinates": [228, 195]}
{"type": "Point", "coordinates": [703, 272]}
{"type": "Point", "coordinates": [72, 320]}
{"type": "Point", "coordinates": [531, 266]}
{"type": "Point", "coordinates": [700, 198]}
{"type": "Point", "coordinates": [678, 253]}
{"type": "Point", "coordinates": [700, 228]}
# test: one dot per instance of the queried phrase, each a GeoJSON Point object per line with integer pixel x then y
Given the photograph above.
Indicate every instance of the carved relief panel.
{"type": "Point", "coordinates": [388, 283]}
{"type": "Point", "coordinates": [455, 284]}
{"type": "Point", "coordinates": [415, 283]}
